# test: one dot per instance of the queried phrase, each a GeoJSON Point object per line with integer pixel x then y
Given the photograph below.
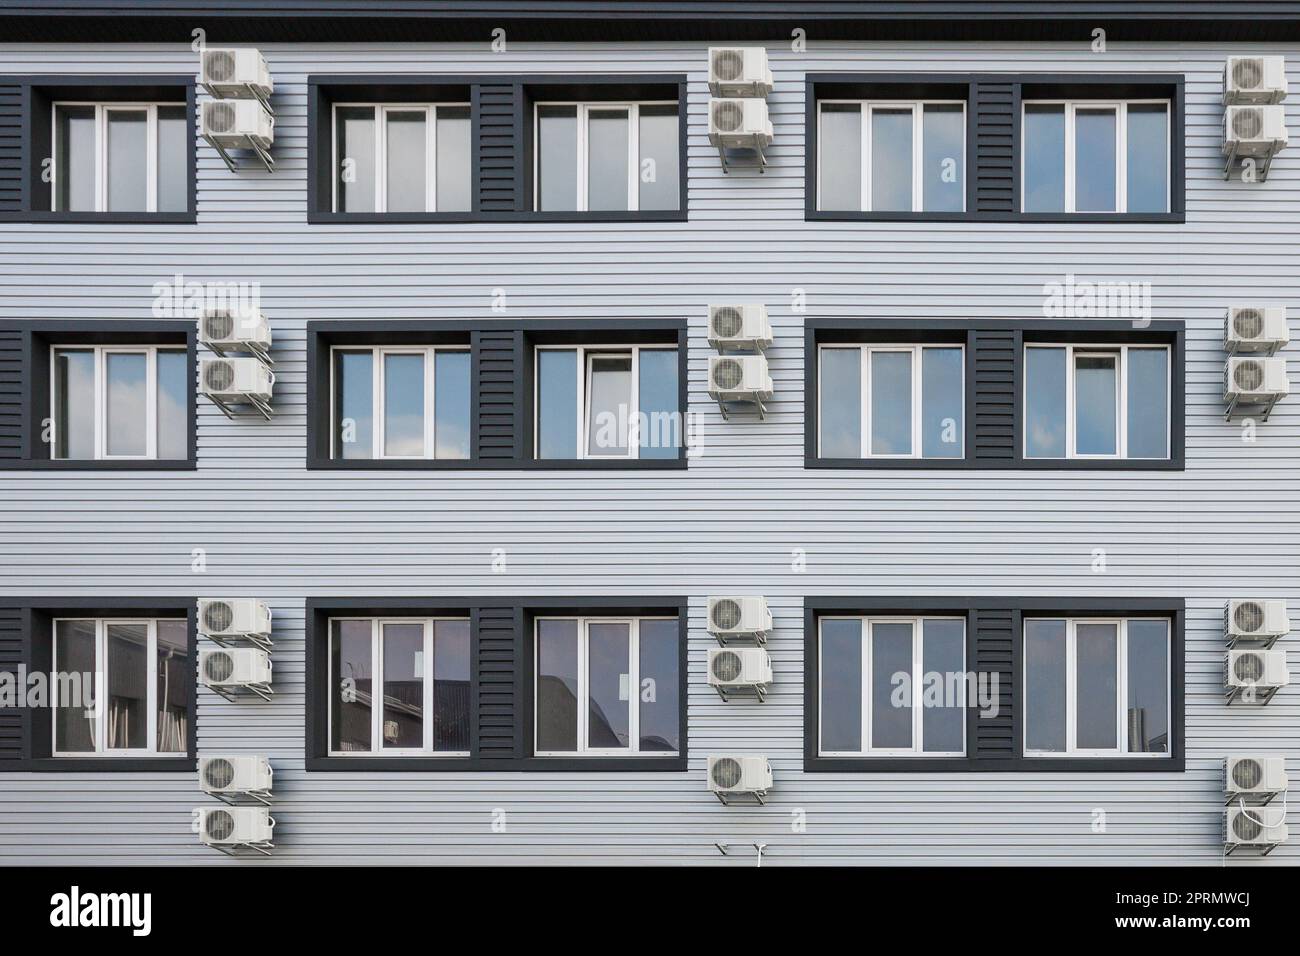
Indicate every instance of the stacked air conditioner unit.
{"type": "Point", "coordinates": [235, 778]}
{"type": "Point", "coordinates": [739, 378]}
{"type": "Point", "coordinates": [1255, 675]}
{"type": "Point", "coordinates": [242, 380]}
{"type": "Point", "coordinates": [739, 775]}
{"type": "Point", "coordinates": [1255, 329]}
{"type": "Point", "coordinates": [739, 81]}
{"type": "Point", "coordinates": [1258, 381]}
{"type": "Point", "coordinates": [228, 621]}
{"type": "Point", "coordinates": [740, 671]}
{"type": "Point", "coordinates": [735, 618]}
{"type": "Point", "coordinates": [225, 330]}
{"type": "Point", "coordinates": [1254, 124]}
{"type": "Point", "coordinates": [231, 671]}
{"type": "Point", "coordinates": [239, 114]}
{"type": "Point", "coordinates": [1255, 622]}
{"type": "Point", "coordinates": [1251, 782]}
{"type": "Point", "coordinates": [230, 829]}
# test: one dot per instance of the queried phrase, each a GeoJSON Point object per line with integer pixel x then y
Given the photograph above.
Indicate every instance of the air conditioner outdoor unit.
{"type": "Point", "coordinates": [740, 670]}
{"type": "Point", "coordinates": [732, 775]}
{"type": "Point", "coordinates": [1254, 827]}
{"type": "Point", "coordinates": [739, 122]}
{"type": "Point", "coordinates": [232, 776]}
{"type": "Point", "coordinates": [236, 380]}
{"type": "Point", "coordinates": [739, 617]}
{"type": "Point", "coordinates": [1252, 620]}
{"type": "Point", "coordinates": [234, 826]}
{"type": "Point", "coordinates": [1254, 776]}
{"type": "Point", "coordinates": [1254, 79]}
{"type": "Point", "coordinates": [739, 327]}
{"type": "Point", "coordinates": [242, 72]}
{"type": "Point", "coordinates": [1253, 130]}
{"type": "Point", "coordinates": [1257, 673]}
{"type": "Point", "coordinates": [237, 124]}
{"type": "Point", "coordinates": [739, 71]}
{"type": "Point", "coordinates": [228, 670]}
{"type": "Point", "coordinates": [1255, 328]}
{"type": "Point", "coordinates": [225, 330]}
{"type": "Point", "coordinates": [1255, 381]}
{"type": "Point", "coordinates": [224, 619]}
{"type": "Point", "coordinates": [739, 378]}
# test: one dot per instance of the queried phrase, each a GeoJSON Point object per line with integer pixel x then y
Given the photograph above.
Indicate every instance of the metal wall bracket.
{"type": "Point", "coordinates": [1261, 697]}
{"type": "Point", "coordinates": [261, 690]}
{"type": "Point", "coordinates": [232, 849]}
{"type": "Point", "coordinates": [259, 407]}
{"type": "Point", "coordinates": [244, 797]}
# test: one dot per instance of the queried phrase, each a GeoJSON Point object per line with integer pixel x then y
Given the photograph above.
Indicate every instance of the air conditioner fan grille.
{"type": "Point", "coordinates": [1247, 124]}
{"type": "Point", "coordinates": [726, 666]}
{"type": "Point", "coordinates": [219, 667]}
{"type": "Point", "coordinates": [1248, 668]}
{"type": "Point", "coordinates": [1248, 73]}
{"type": "Point", "coordinates": [1248, 617]}
{"type": "Point", "coordinates": [726, 773]}
{"type": "Point", "coordinates": [219, 773]}
{"type": "Point", "coordinates": [1248, 376]}
{"type": "Point", "coordinates": [1247, 774]}
{"type": "Point", "coordinates": [220, 825]}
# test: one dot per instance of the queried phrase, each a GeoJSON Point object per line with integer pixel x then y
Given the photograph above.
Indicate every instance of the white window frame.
{"type": "Point", "coordinates": [1121, 150]}
{"type": "Point", "coordinates": [101, 353]}
{"type": "Point", "coordinates": [101, 690]}
{"type": "Point", "coordinates": [1121, 691]}
{"type": "Point", "coordinates": [1073, 351]}
{"type": "Point", "coordinates": [584, 690]}
{"type": "Point", "coordinates": [101, 151]}
{"type": "Point", "coordinates": [917, 108]}
{"type": "Point", "coordinates": [379, 425]}
{"type": "Point", "coordinates": [381, 149]}
{"type": "Point", "coordinates": [377, 749]}
{"type": "Point", "coordinates": [917, 423]}
{"type": "Point", "coordinates": [868, 623]}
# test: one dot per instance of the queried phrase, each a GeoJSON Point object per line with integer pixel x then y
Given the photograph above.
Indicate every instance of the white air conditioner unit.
{"type": "Point", "coordinates": [739, 378]}
{"type": "Point", "coordinates": [227, 71]}
{"type": "Point", "coordinates": [740, 669]}
{"type": "Point", "coordinates": [226, 330]}
{"type": "Point", "coordinates": [235, 775]}
{"type": "Point", "coordinates": [1251, 620]}
{"type": "Point", "coordinates": [739, 122]}
{"type": "Point", "coordinates": [739, 71]}
{"type": "Point", "coordinates": [224, 619]}
{"type": "Point", "coordinates": [237, 124]}
{"type": "Point", "coordinates": [228, 670]}
{"type": "Point", "coordinates": [1254, 79]}
{"type": "Point", "coordinates": [1255, 328]}
{"type": "Point", "coordinates": [1253, 130]}
{"type": "Point", "coordinates": [1254, 827]}
{"type": "Point", "coordinates": [236, 379]}
{"type": "Point", "coordinates": [739, 617]}
{"type": "Point", "coordinates": [732, 775]}
{"type": "Point", "coordinates": [1255, 381]}
{"type": "Point", "coordinates": [1254, 776]}
{"type": "Point", "coordinates": [739, 327]}
{"type": "Point", "coordinates": [232, 826]}
{"type": "Point", "coordinates": [1256, 673]}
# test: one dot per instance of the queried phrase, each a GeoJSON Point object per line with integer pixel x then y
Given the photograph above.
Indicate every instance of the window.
{"type": "Point", "coordinates": [1094, 156]}
{"type": "Point", "coordinates": [891, 401]}
{"type": "Point", "coordinates": [121, 157]}
{"type": "Point", "coordinates": [598, 157]}
{"type": "Point", "coordinates": [401, 158]}
{"type": "Point", "coordinates": [119, 402]}
{"type": "Point", "coordinates": [607, 686]}
{"type": "Point", "coordinates": [133, 677]}
{"type": "Point", "coordinates": [1097, 686]}
{"type": "Point", "coordinates": [607, 402]}
{"type": "Point", "coordinates": [1096, 402]}
{"type": "Point", "coordinates": [421, 667]}
{"type": "Point", "coordinates": [892, 686]}
{"type": "Point", "coordinates": [401, 402]}
{"type": "Point", "coordinates": [891, 156]}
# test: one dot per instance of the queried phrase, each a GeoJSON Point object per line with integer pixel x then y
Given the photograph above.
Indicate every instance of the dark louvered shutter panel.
{"type": "Point", "coordinates": [11, 394]}
{"type": "Point", "coordinates": [995, 129]}
{"type": "Point", "coordinates": [11, 655]}
{"type": "Point", "coordinates": [11, 152]}
{"type": "Point", "coordinates": [995, 396]}
{"type": "Point", "coordinates": [995, 737]}
{"type": "Point", "coordinates": [497, 666]}
{"type": "Point", "coordinates": [498, 186]}
{"type": "Point", "coordinates": [496, 415]}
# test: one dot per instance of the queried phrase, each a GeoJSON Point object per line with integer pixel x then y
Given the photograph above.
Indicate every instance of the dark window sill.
{"type": "Point", "coordinates": [495, 764]}
{"type": "Point", "coordinates": [993, 765]}
{"type": "Point", "coordinates": [1051, 217]}
{"type": "Point", "coordinates": [674, 764]}
{"type": "Point", "coordinates": [46, 464]}
{"type": "Point", "coordinates": [493, 464]}
{"type": "Point", "coordinates": [893, 463]}
{"type": "Point", "coordinates": [1008, 464]}
{"type": "Point", "coordinates": [391, 218]}
{"type": "Point", "coordinates": [112, 765]}
{"type": "Point", "coordinates": [106, 218]}
{"type": "Point", "coordinates": [1096, 464]}
{"type": "Point", "coordinates": [392, 764]}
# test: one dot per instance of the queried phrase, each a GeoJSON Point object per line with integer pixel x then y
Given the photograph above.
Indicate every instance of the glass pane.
{"type": "Point", "coordinates": [355, 161]}
{"type": "Point", "coordinates": [557, 686]}
{"type": "Point", "coordinates": [74, 686]}
{"type": "Point", "coordinates": [557, 403]}
{"type": "Point", "coordinates": [891, 160]}
{"type": "Point", "coordinates": [128, 401]}
{"type": "Point", "coordinates": [128, 160]}
{"type": "Point", "coordinates": [1094, 160]}
{"type": "Point", "coordinates": [453, 159]}
{"type": "Point", "coordinates": [839, 154]}
{"type": "Point", "coordinates": [173, 409]}
{"type": "Point", "coordinates": [839, 416]}
{"type": "Point", "coordinates": [659, 176]}
{"type": "Point", "coordinates": [74, 167]}
{"type": "Point", "coordinates": [1148, 158]}
{"type": "Point", "coordinates": [607, 158]}
{"type": "Point", "coordinates": [557, 157]}
{"type": "Point", "coordinates": [173, 159]}
{"type": "Point", "coordinates": [352, 692]}
{"type": "Point", "coordinates": [1097, 685]}
{"type": "Point", "coordinates": [660, 424]}
{"type": "Point", "coordinates": [1148, 401]}
{"type": "Point", "coordinates": [1096, 396]}
{"type": "Point", "coordinates": [609, 404]}
{"type": "Point", "coordinates": [74, 403]}
{"type": "Point", "coordinates": [451, 686]}
{"type": "Point", "coordinates": [354, 399]}
{"type": "Point", "coordinates": [403, 657]}
{"type": "Point", "coordinates": [891, 403]}
{"type": "Point", "coordinates": [1044, 164]}
{"type": "Point", "coordinates": [1045, 686]}
{"type": "Point", "coordinates": [404, 405]}
{"type": "Point", "coordinates": [128, 686]}
{"type": "Point", "coordinates": [891, 686]}
{"type": "Point", "coordinates": [660, 730]}
{"type": "Point", "coordinates": [1045, 384]}
{"type": "Point", "coordinates": [608, 685]}
{"type": "Point", "coordinates": [941, 403]}
{"type": "Point", "coordinates": [943, 160]}
{"type": "Point", "coordinates": [943, 653]}
{"type": "Point", "coordinates": [1148, 687]}
{"type": "Point", "coordinates": [451, 404]}
{"type": "Point", "coordinates": [841, 686]}
{"type": "Point", "coordinates": [407, 160]}
{"type": "Point", "coordinates": [174, 669]}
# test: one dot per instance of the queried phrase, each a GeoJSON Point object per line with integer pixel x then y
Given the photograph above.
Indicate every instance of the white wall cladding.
{"type": "Point", "coordinates": [1229, 526]}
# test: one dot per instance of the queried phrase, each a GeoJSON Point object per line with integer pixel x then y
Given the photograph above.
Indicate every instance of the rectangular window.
{"type": "Point", "coordinates": [602, 157]}
{"type": "Point", "coordinates": [891, 401]}
{"type": "Point", "coordinates": [1092, 156]}
{"type": "Point", "coordinates": [119, 402]}
{"type": "Point", "coordinates": [142, 666]}
{"type": "Point", "coordinates": [607, 402]}
{"type": "Point", "coordinates": [891, 156]}
{"type": "Point", "coordinates": [892, 686]}
{"type": "Point", "coordinates": [394, 402]}
{"type": "Point", "coordinates": [408, 157]}
{"type": "Point", "coordinates": [121, 157]}
{"type": "Point", "coordinates": [1097, 402]}
{"type": "Point", "coordinates": [607, 686]}
{"type": "Point", "coordinates": [1096, 686]}
{"type": "Point", "coordinates": [421, 668]}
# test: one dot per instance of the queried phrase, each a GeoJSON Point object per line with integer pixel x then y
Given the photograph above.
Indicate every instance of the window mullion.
{"type": "Point", "coordinates": [864, 376]}
{"type": "Point", "coordinates": [1069, 158]}
{"type": "Point", "coordinates": [1070, 410]}
{"type": "Point", "coordinates": [426, 673]}
{"type": "Point", "coordinates": [151, 688]}
{"type": "Point", "coordinates": [634, 686]}
{"type": "Point", "coordinates": [582, 117]}
{"type": "Point", "coordinates": [101, 159]}
{"type": "Point", "coordinates": [430, 439]}
{"type": "Point", "coordinates": [1121, 402]}
{"type": "Point", "coordinates": [634, 406]}
{"type": "Point", "coordinates": [101, 686]}
{"type": "Point", "coordinates": [867, 639]}
{"type": "Point", "coordinates": [151, 158]}
{"type": "Point", "coordinates": [634, 157]}
{"type": "Point", "coordinates": [582, 402]}
{"type": "Point", "coordinates": [1121, 157]}
{"type": "Point", "coordinates": [376, 686]}
{"type": "Point", "coordinates": [1121, 686]}
{"type": "Point", "coordinates": [100, 411]}
{"type": "Point", "coordinates": [866, 157]}
{"type": "Point", "coordinates": [918, 744]}
{"type": "Point", "coordinates": [917, 366]}
{"type": "Point", "coordinates": [381, 159]}
{"type": "Point", "coordinates": [1071, 687]}
{"type": "Point", "coordinates": [918, 143]}
{"type": "Point", "coordinates": [431, 159]}
{"type": "Point", "coordinates": [151, 403]}
{"type": "Point", "coordinates": [583, 689]}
